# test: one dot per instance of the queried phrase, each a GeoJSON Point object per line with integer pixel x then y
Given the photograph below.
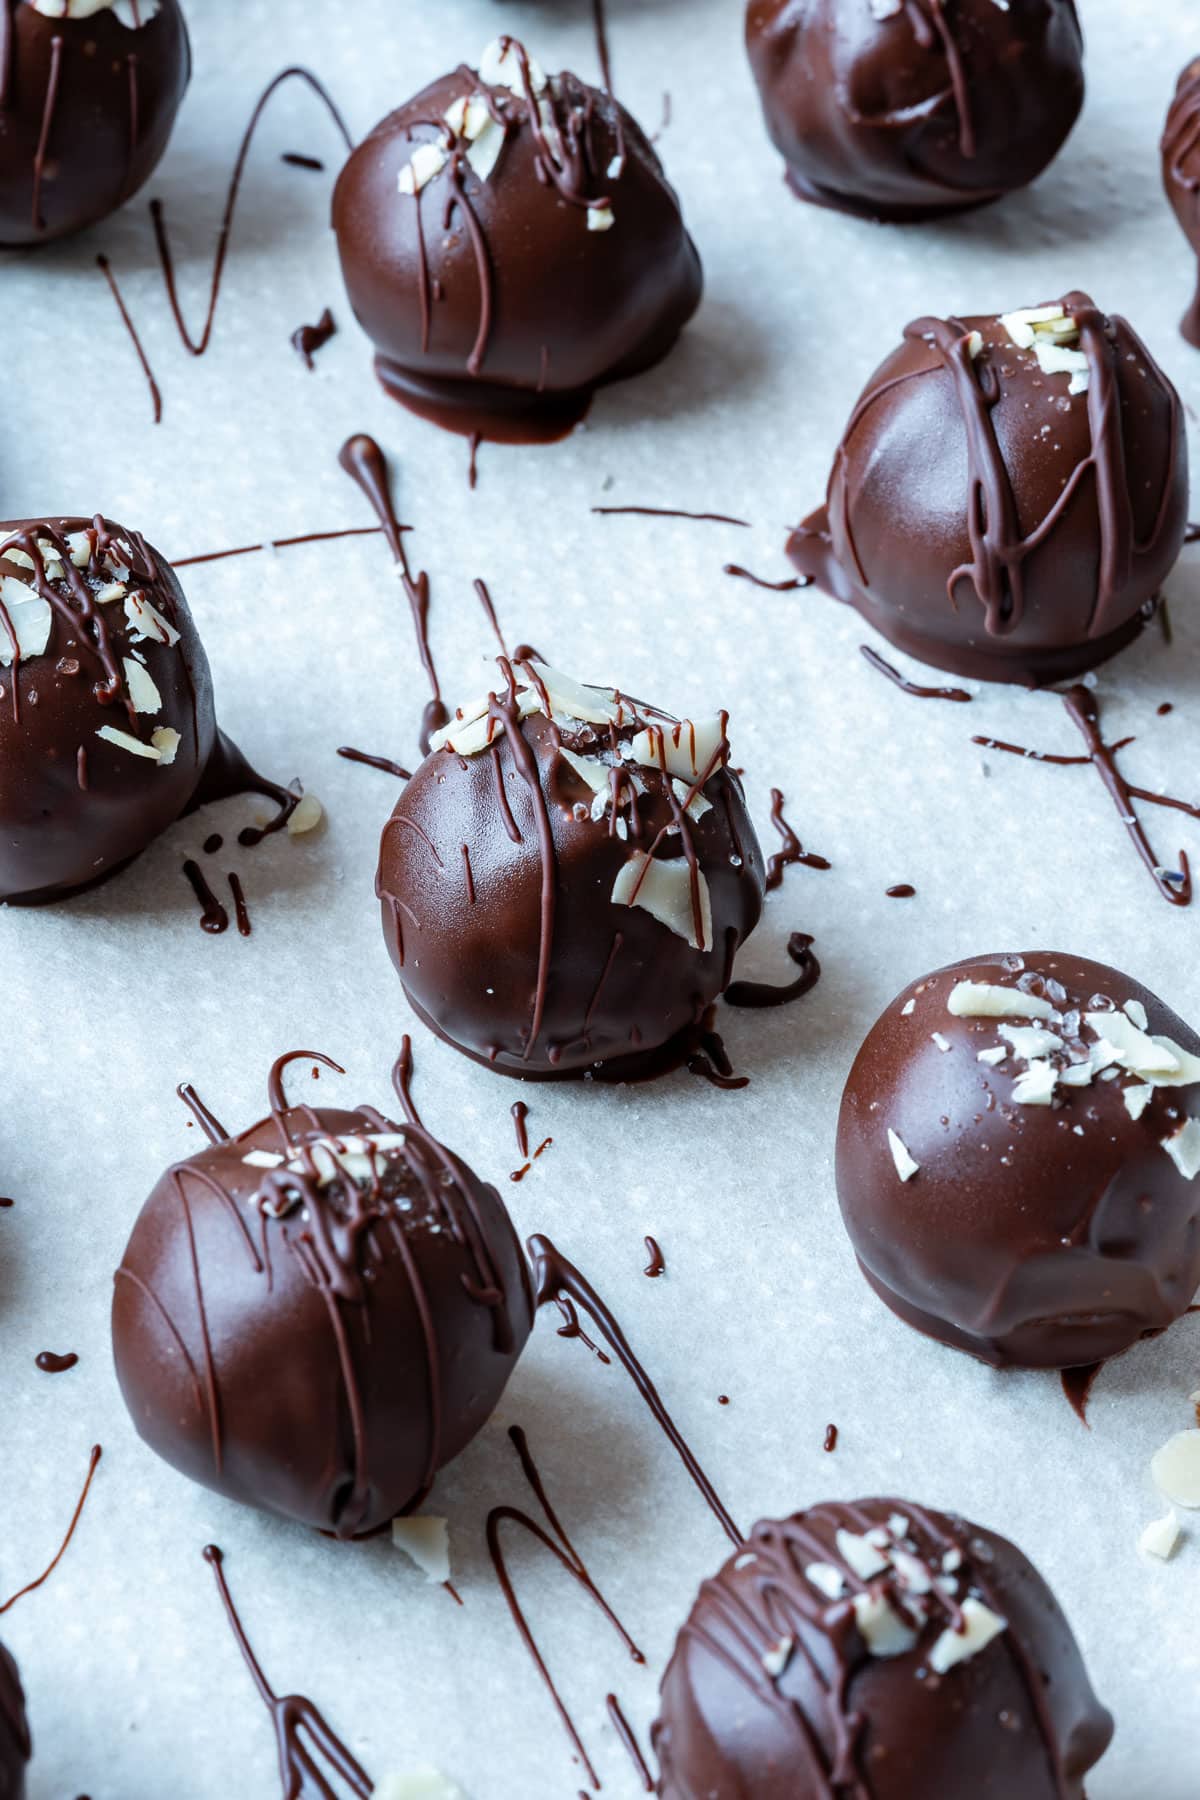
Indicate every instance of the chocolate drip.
{"type": "Point", "coordinates": [229, 774]}
{"type": "Point", "coordinates": [759, 994]}
{"type": "Point", "coordinates": [831, 1440]}
{"type": "Point", "coordinates": [213, 916]}
{"type": "Point", "coordinates": [657, 1265]}
{"type": "Point", "coordinates": [1181, 171]}
{"type": "Point", "coordinates": [902, 890]}
{"type": "Point", "coordinates": [520, 1112]}
{"type": "Point", "coordinates": [912, 687]}
{"type": "Point", "coordinates": [670, 512]}
{"type": "Point", "coordinates": [308, 339]}
{"type": "Point", "coordinates": [624, 1729]}
{"type": "Point", "coordinates": [793, 850]}
{"type": "Point", "coordinates": [484, 597]}
{"type": "Point", "coordinates": [51, 1363]}
{"type": "Point", "coordinates": [156, 402]}
{"type": "Point", "coordinates": [296, 160]}
{"type": "Point", "coordinates": [710, 1060]}
{"type": "Point", "coordinates": [208, 1122]}
{"type": "Point", "coordinates": [297, 1722]}
{"type": "Point", "coordinates": [38, 1581]}
{"type": "Point", "coordinates": [786, 586]}
{"type": "Point", "coordinates": [1077, 1385]}
{"type": "Point", "coordinates": [554, 1277]}
{"type": "Point", "coordinates": [375, 762]}
{"type": "Point", "coordinates": [241, 911]}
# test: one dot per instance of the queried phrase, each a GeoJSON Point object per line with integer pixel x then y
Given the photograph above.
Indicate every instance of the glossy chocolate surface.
{"type": "Point", "coordinates": [496, 876]}
{"type": "Point", "coordinates": [319, 1336]}
{"type": "Point", "coordinates": [986, 518]}
{"type": "Point", "coordinates": [499, 304]}
{"type": "Point", "coordinates": [1181, 176]}
{"type": "Point", "coordinates": [774, 1690]}
{"type": "Point", "coordinates": [919, 108]}
{"type": "Point", "coordinates": [1043, 1235]}
{"type": "Point", "coordinates": [86, 109]}
{"type": "Point", "coordinates": [16, 1747]}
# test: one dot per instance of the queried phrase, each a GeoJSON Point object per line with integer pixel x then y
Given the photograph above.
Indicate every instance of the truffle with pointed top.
{"type": "Point", "coordinates": [567, 878]}
{"type": "Point", "coordinates": [89, 91]}
{"type": "Point", "coordinates": [1181, 176]}
{"type": "Point", "coordinates": [879, 1650]}
{"type": "Point", "coordinates": [509, 244]}
{"type": "Point", "coordinates": [1009, 494]}
{"type": "Point", "coordinates": [317, 1315]}
{"type": "Point", "coordinates": [1017, 1159]}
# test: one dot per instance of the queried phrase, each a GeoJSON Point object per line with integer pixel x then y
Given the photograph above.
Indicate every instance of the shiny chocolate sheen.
{"type": "Point", "coordinates": [1037, 1236]}
{"type": "Point", "coordinates": [1018, 1717]}
{"type": "Point", "coordinates": [989, 521]}
{"type": "Point", "coordinates": [320, 1356]}
{"type": "Point", "coordinates": [492, 306]}
{"type": "Point", "coordinates": [75, 807]}
{"type": "Point", "coordinates": [86, 109]}
{"type": "Point", "coordinates": [496, 883]}
{"type": "Point", "coordinates": [935, 108]}
{"type": "Point", "coordinates": [16, 1746]}
{"type": "Point", "coordinates": [1181, 175]}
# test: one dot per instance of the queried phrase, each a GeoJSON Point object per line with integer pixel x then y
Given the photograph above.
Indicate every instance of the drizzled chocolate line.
{"type": "Point", "coordinates": [375, 762]}
{"type": "Point", "coordinates": [287, 543]}
{"type": "Point", "coordinates": [1083, 710]}
{"type": "Point", "coordinates": [563, 1550]}
{"type": "Point", "coordinates": [793, 850]}
{"type": "Point", "coordinates": [483, 595]}
{"type": "Point", "coordinates": [156, 400]}
{"type": "Point", "coordinates": [604, 58]}
{"type": "Point", "coordinates": [213, 917]}
{"type": "Point", "coordinates": [760, 994]}
{"type": "Point", "coordinates": [787, 586]}
{"type": "Point", "coordinates": [1181, 141]}
{"type": "Point", "coordinates": [306, 340]}
{"type": "Point", "coordinates": [38, 1581]}
{"type": "Point", "coordinates": [670, 512]}
{"type": "Point", "coordinates": [911, 687]}
{"type": "Point", "coordinates": [208, 1122]}
{"type": "Point", "coordinates": [629, 1743]}
{"type": "Point", "coordinates": [295, 1720]}
{"type": "Point", "coordinates": [519, 1113]}
{"type": "Point", "coordinates": [297, 161]}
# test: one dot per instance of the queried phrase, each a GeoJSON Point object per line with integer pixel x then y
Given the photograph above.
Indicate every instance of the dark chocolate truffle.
{"type": "Point", "coordinates": [89, 90]}
{"type": "Point", "coordinates": [883, 1651]}
{"type": "Point", "coordinates": [907, 109]}
{"type": "Point", "coordinates": [1181, 175]}
{"type": "Point", "coordinates": [1008, 495]}
{"type": "Point", "coordinates": [106, 707]}
{"type": "Point", "coordinates": [510, 243]}
{"type": "Point", "coordinates": [16, 1747]}
{"type": "Point", "coordinates": [1017, 1157]}
{"type": "Point", "coordinates": [316, 1316]}
{"type": "Point", "coordinates": [567, 877]}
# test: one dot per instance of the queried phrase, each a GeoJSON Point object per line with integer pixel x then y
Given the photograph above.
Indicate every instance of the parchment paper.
{"type": "Point", "coordinates": [135, 1685]}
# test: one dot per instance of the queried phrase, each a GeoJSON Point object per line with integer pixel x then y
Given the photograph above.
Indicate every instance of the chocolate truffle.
{"type": "Point", "coordinates": [16, 1747]}
{"type": "Point", "coordinates": [908, 109]}
{"type": "Point", "coordinates": [89, 90]}
{"type": "Point", "coordinates": [106, 707]}
{"type": "Point", "coordinates": [1017, 1156]}
{"type": "Point", "coordinates": [1008, 495]}
{"type": "Point", "coordinates": [883, 1651]}
{"type": "Point", "coordinates": [510, 243]}
{"type": "Point", "coordinates": [317, 1315]}
{"type": "Point", "coordinates": [567, 877]}
{"type": "Point", "coordinates": [1181, 175]}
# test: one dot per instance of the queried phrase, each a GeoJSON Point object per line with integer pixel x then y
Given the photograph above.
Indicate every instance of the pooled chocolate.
{"type": "Point", "coordinates": [106, 706]}
{"type": "Point", "coordinates": [317, 1315]}
{"type": "Point", "coordinates": [566, 879]}
{"type": "Point", "coordinates": [908, 109]}
{"type": "Point", "coordinates": [510, 243]}
{"type": "Point", "coordinates": [89, 90]}
{"type": "Point", "coordinates": [1009, 494]}
{"type": "Point", "coordinates": [1181, 175]}
{"type": "Point", "coordinates": [16, 1747]}
{"type": "Point", "coordinates": [1017, 1155]}
{"type": "Point", "coordinates": [879, 1650]}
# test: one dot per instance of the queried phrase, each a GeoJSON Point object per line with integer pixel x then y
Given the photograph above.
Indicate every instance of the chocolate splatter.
{"type": "Point", "coordinates": [793, 850]}
{"type": "Point", "coordinates": [831, 1439]}
{"type": "Point", "coordinates": [657, 1265]}
{"type": "Point", "coordinates": [903, 890]}
{"type": "Point", "coordinates": [308, 339]}
{"type": "Point", "coordinates": [51, 1363]}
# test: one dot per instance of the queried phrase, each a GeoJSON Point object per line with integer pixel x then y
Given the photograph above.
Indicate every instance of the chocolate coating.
{"type": "Point", "coordinates": [1039, 1235]}
{"type": "Point", "coordinates": [74, 807]}
{"type": "Point", "coordinates": [1016, 1717]}
{"type": "Point", "coordinates": [929, 110]}
{"type": "Point", "coordinates": [1181, 175]}
{"type": "Point", "coordinates": [16, 1746]}
{"type": "Point", "coordinates": [492, 306]}
{"type": "Point", "coordinates": [497, 871]}
{"type": "Point", "coordinates": [312, 1340]}
{"type": "Point", "coordinates": [987, 519]}
{"type": "Point", "coordinates": [86, 108]}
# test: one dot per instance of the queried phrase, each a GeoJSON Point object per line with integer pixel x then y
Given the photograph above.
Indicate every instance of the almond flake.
{"type": "Point", "coordinates": [906, 1166]}
{"type": "Point", "coordinates": [986, 1000]}
{"type": "Point", "coordinates": [426, 1541]}
{"type": "Point", "coordinates": [664, 889]}
{"type": "Point", "coordinates": [954, 1647]}
{"type": "Point", "coordinates": [112, 734]}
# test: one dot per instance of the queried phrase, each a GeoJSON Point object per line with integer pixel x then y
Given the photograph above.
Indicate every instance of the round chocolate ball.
{"type": "Point", "coordinates": [316, 1316]}
{"type": "Point", "coordinates": [16, 1746]}
{"type": "Point", "coordinates": [510, 243]}
{"type": "Point", "coordinates": [566, 879]}
{"type": "Point", "coordinates": [106, 706]}
{"type": "Point", "coordinates": [1181, 175]}
{"type": "Point", "coordinates": [908, 109]}
{"type": "Point", "coordinates": [89, 90]}
{"type": "Point", "coordinates": [883, 1650]}
{"type": "Point", "coordinates": [1009, 494]}
{"type": "Point", "coordinates": [1017, 1155]}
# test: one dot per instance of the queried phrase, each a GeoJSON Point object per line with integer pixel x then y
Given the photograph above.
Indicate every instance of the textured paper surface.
{"type": "Point", "coordinates": [135, 1685]}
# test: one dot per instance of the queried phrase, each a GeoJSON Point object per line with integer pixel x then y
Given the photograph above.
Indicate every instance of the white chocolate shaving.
{"type": "Point", "coordinates": [906, 1165]}
{"type": "Point", "coordinates": [686, 750]}
{"type": "Point", "coordinates": [664, 889]}
{"type": "Point", "coordinates": [985, 1000]}
{"type": "Point", "coordinates": [305, 816]}
{"type": "Point", "coordinates": [166, 740]}
{"type": "Point", "coordinates": [1184, 1149]}
{"type": "Point", "coordinates": [29, 617]}
{"type": "Point", "coordinates": [112, 734]}
{"type": "Point", "coordinates": [1161, 1537]}
{"type": "Point", "coordinates": [426, 1541]}
{"type": "Point", "coordinates": [1176, 1469]}
{"type": "Point", "coordinates": [954, 1647]}
{"type": "Point", "coordinates": [881, 1627]}
{"type": "Point", "coordinates": [142, 690]}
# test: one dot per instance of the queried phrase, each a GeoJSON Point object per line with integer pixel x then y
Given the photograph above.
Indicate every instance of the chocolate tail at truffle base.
{"type": "Point", "coordinates": [1181, 177]}
{"type": "Point", "coordinates": [316, 1316]}
{"type": "Point", "coordinates": [918, 109]}
{"type": "Point", "coordinates": [533, 253]}
{"type": "Point", "coordinates": [879, 1651]}
{"type": "Point", "coordinates": [86, 108]}
{"type": "Point", "coordinates": [1009, 495]}
{"type": "Point", "coordinates": [567, 878]}
{"type": "Point", "coordinates": [1017, 1154]}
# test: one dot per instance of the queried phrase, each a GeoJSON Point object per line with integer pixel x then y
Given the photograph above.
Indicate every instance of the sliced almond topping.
{"type": "Point", "coordinates": [953, 1647]}
{"type": "Point", "coordinates": [664, 889]}
{"type": "Point", "coordinates": [906, 1167]}
{"type": "Point", "coordinates": [427, 1542]}
{"type": "Point", "coordinates": [1176, 1469]}
{"type": "Point", "coordinates": [112, 734]}
{"type": "Point", "coordinates": [986, 1000]}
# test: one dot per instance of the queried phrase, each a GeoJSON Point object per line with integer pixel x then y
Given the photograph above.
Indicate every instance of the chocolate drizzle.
{"type": "Point", "coordinates": [308, 339]}
{"type": "Point", "coordinates": [912, 687]}
{"type": "Point", "coordinates": [105, 268]}
{"type": "Point", "coordinates": [303, 1738]}
{"type": "Point", "coordinates": [213, 917]}
{"type": "Point", "coordinates": [787, 586]}
{"type": "Point", "coordinates": [793, 850]}
{"type": "Point", "coordinates": [1181, 174]}
{"type": "Point", "coordinates": [671, 512]}
{"type": "Point", "coordinates": [375, 762]}
{"type": "Point", "coordinates": [759, 994]}
{"type": "Point", "coordinates": [38, 1581]}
